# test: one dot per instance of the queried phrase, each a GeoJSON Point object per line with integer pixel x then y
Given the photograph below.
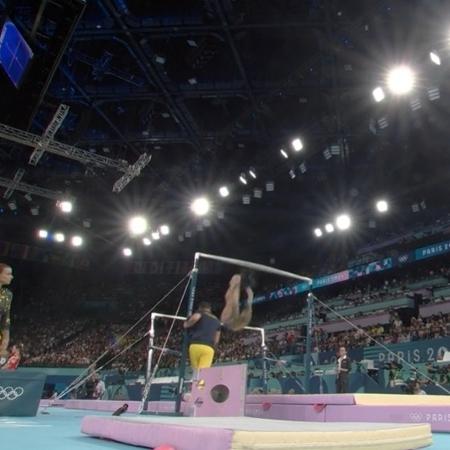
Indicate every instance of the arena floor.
{"type": "Point", "coordinates": [61, 429]}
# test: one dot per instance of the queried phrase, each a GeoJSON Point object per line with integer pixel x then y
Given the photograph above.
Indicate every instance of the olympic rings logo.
{"type": "Point", "coordinates": [415, 417]}
{"type": "Point", "coordinates": [10, 393]}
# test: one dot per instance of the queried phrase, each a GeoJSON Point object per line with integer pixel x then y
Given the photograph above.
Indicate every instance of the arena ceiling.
{"type": "Point", "coordinates": [213, 88]}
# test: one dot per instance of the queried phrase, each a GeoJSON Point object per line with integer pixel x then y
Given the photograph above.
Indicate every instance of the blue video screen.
{"type": "Point", "coordinates": [15, 53]}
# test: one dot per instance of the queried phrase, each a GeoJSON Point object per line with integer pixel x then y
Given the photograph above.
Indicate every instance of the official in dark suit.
{"type": "Point", "coordinates": [344, 366]}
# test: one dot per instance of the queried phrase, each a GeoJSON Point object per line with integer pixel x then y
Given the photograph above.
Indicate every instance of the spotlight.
{"type": "Point", "coordinates": [34, 210]}
{"type": "Point", "coordinates": [127, 252]}
{"type": "Point", "coordinates": [43, 234]}
{"type": "Point", "coordinates": [378, 94]}
{"type": "Point", "coordinates": [164, 229]}
{"type": "Point", "coordinates": [156, 236]}
{"type": "Point", "coordinates": [343, 222]}
{"type": "Point", "coordinates": [382, 206]}
{"type": "Point", "coordinates": [329, 228]}
{"type": "Point", "coordinates": [435, 58]}
{"type": "Point", "coordinates": [65, 206]}
{"type": "Point", "coordinates": [297, 144]}
{"type": "Point", "coordinates": [242, 179]}
{"type": "Point", "coordinates": [401, 80]}
{"type": "Point", "coordinates": [318, 232]}
{"type": "Point", "coordinates": [284, 154]}
{"type": "Point", "coordinates": [252, 173]}
{"type": "Point", "coordinates": [77, 241]}
{"type": "Point", "coordinates": [224, 191]}
{"type": "Point", "coordinates": [59, 237]}
{"type": "Point", "coordinates": [146, 241]}
{"type": "Point", "coordinates": [200, 206]}
{"type": "Point", "coordinates": [137, 225]}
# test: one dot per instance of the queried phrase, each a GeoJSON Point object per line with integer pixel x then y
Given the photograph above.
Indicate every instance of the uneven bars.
{"type": "Point", "coordinates": [168, 316]}
{"type": "Point", "coordinates": [254, 266]}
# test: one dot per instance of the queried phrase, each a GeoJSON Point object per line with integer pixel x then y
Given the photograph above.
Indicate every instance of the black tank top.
{"type": "Point", "coordinates": [204, 331]}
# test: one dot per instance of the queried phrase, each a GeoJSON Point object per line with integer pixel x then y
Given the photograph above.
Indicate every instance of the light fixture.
{"type": "Point", "coordinates": [137, 225]}
{"type": "Point", "coordinates": [146, 241]}
{"type": "Point", "coordinates": [252, 173]}
{"type": "Point", "coordinates": [160, 59]}
{"type": "Point", "coordinates": [59, 237]}
{"type": "Point", "coordinates": [34, 210]}
{"type": "Point", "coordinates": [242, 179]}
{"type": "Point", "coordinates": [43, 234]}
{"type": "Point", "coordinates": [164, 229]}
{"type": "Point", "coordinates": [378, 94]}
{"type": "Point", "coordinates": [329, 228]}
{"type": "Point", "coordinates": [382, 206]}
{"type": "Point", "coordinates": [297, 144]}
{"type": "Point", "coordinates": [318, 232]}
{"type": "Point", "coordinates": [200, 206]}
{"type": "Point", "coordinates": [12, 205]}
{"type": "Point", "coordinates": [433, 93]}
{"type": "Point", "coordinates": [246, 199]}
{"type": "Point", "coordinates": [383, 123]}
{"type": "Point", "coordinates": [65, 206]}
{"type": "Point", "coordinates": [156, 236]}
{"type": "Point", "coordinates": [284, 154]}
{"type": "Point", "coordinates": [127, 252]}
{"type": "Point", "coordinates": [400, 80]}
{"type": "Point", "coordinates": [435, 58]}
{"type": "Point", "coordinates": [257, 193]}
{"type": "Point", "coordinates": [343, 222]}
{"type": "Point", "coordinates": [270, 186]}
{"type": "Point", "coordinates": [76, 241]}
{"type": "Point", "coordinates": [224, 191]}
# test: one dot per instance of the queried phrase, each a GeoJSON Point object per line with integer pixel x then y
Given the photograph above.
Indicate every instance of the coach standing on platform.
{"type": "Point", "coordinates": [6, 277]}
{"type": "Point", "coordinates": [344, 367]}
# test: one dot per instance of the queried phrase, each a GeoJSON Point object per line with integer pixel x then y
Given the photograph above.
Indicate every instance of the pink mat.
{"type": "Point", "coordinates": [110, 405]}
{"type": "Point", "coordinates": [342, 408]}
{"type": "Point", "coordinates": [135, 433]}
{"type": "Point", "coordinates": [315, 399]}
{"type": "Point", "coordinates": [437, 416]}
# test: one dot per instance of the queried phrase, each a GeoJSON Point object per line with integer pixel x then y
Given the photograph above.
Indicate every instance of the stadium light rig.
{"type": "Point", "coordinates": [382, 206]}
{"type": "Point", "coordinates": [132, 172]}
{"type": "Point", "coordinates": [137, 225]}
{"type": "Point", "coordinates": [200, 206]}
{"type": "Point", "coordinates": [343, 222]}
{"type": "Point", "coordinates": [297, 144]}
{"type": "Point", "coordinates": [401, 80]}
{"type": "Point", "coordinates": [224, 192]}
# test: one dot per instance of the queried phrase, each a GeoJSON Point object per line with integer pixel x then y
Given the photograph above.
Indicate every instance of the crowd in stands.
{"type": "Point", "coordinates": [63, 338]}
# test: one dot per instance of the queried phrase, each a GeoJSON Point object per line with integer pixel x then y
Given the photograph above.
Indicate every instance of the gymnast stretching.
{"type": "Point", "coordinates": [204, 326]}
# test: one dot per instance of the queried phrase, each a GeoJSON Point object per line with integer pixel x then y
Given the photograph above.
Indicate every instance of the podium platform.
{"type": "Point", "coordinates": [20, 393]}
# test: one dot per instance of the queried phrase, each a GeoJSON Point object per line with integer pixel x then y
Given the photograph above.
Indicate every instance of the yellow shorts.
{"type": "Point", "coordinates": [201, 356]}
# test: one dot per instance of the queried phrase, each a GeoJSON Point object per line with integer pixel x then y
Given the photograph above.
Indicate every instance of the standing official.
{"type": "Point", "coordinates": [344, 366]}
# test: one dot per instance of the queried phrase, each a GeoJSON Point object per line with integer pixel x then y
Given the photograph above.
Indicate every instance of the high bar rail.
{"type": "Point", "coordinates": [254, 266]}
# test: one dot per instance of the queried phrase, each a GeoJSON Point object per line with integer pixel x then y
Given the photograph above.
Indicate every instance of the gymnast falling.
{"type": "Point", "coordinates": [204, 327]}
